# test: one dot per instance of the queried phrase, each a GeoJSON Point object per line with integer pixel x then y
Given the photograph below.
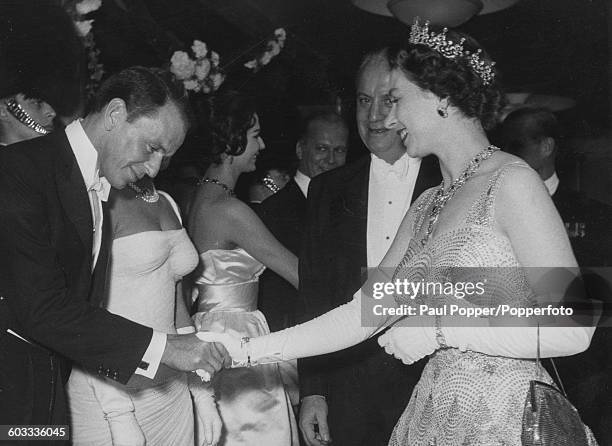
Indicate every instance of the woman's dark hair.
{"type": "Point", "coordinates": [222, 124]}
{"type": "Point", "coordinates": [453, 79]}
{"type": "Point", "coordinates": [144, 91]}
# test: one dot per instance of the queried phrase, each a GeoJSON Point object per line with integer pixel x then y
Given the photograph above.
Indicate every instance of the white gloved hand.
{"type": "Point", "coordinates": [118, 409]}
{"type": "Point", "coordinates": [208, 431]}
{"type": "Point", "coordinates": [409, 344]}
{"type": "Point", "coordinates": [125, 430]}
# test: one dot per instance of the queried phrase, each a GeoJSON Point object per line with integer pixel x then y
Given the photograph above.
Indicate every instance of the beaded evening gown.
{"type": "Point", "coordinates": [467, 398]}
{"type": "Point", "coordinates": [143, 273]}
{"type": "Point", "coordinates": [253, 403]}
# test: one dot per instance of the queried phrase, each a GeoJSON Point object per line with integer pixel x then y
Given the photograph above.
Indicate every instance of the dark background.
{"type": "Point", "coordinates": [553, 47]}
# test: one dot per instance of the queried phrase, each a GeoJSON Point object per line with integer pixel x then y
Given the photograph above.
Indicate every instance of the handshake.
{"type": "Point", "coordinates": [236, 347]}
{"type": "Point", "coordinates": [206, 352]}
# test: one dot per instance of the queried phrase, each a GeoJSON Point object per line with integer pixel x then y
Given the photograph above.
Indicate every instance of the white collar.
{"type": "Point", "coordinates": [552, 183]}
{"type": "Point", "coordinates": [87, 159]}
{"type": "Point", "coordinates": [302, 181]}
{"type": "Point", "coordinates": [399, 168]}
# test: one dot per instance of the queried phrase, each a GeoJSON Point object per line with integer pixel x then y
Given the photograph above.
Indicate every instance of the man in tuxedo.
{"type": "Point", "coordinates": [356, 396]}
{"type": "Point", "coordinates": [534, 135]}
{"type": "Point", "coordinates": [54, 252]}
{"type": "Point", "coordinates": [321, 147]}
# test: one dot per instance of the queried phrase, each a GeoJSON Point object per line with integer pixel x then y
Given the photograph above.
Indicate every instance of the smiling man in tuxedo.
{"type": "Point", "coordinates": [55, 253]}
{"type": "Point", "coordinates": [321, 146]}
{"type": "Point", "coordinates": [355, 396]}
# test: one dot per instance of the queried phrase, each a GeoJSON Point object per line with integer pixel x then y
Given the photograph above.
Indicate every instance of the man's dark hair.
{"type": "Point", "coordinates": [144, 90]}
{"type": "Point", "coordinates": [528, 125]}
{"type": "Point", "coordinates": [222, 124]}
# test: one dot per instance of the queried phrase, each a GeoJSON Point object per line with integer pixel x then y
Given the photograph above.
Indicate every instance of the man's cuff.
{"type": "Point", "coordinates": [152, 358]}
{"type": "Point", "coordinates": [186, 330]}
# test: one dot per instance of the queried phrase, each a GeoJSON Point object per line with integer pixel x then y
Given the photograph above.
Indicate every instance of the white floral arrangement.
{"type": "Point", "coordinates": [273, 48]}
{"type": "Point", "coordinates": [77, 11]}
{"type": "Point", "coordinates": [201, 74]}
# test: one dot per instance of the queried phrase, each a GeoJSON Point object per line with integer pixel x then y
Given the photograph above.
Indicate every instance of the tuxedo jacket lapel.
{"type": "Point", "coordinates": [349, 218]}
{"type": "Point", "coordinates": [74, 200]}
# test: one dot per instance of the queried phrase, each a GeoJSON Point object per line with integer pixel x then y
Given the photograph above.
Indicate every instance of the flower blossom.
{"type": "Point", "coordinates": [274, 48]}
{"type": "Point", "coordinates": [199, 48]}
{"type": "Point", "coordinates": [182, 66]}
{"type": "Point", "coordinates": [202, 69]}
{"type": "Point", "coordinates": [83, 27]}
{"type": "Point", "coordinates": [87, 6]}
{"type": "Point", "coordinates": [214, 59]}
{"type": "Point", "coordinates": [191, 84]}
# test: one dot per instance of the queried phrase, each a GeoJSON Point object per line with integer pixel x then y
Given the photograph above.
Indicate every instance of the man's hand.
{"type": "Point", "coordinates": [313, 412]}
{"type": "Point", "coordinates": [188, 353]}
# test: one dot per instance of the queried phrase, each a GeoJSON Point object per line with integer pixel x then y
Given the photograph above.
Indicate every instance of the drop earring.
{"type": "Point", "coordinates": [443, 112]}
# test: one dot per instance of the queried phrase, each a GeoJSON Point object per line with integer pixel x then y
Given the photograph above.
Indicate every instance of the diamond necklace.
{"type": "Point", "coordinates": [146, 195]}
{"type": "Point", "coordinates": [224, 186]}
{"type": "Point", "coordinates": [441, 198]}
{"type": "Point", "coordinates": [269, 182]}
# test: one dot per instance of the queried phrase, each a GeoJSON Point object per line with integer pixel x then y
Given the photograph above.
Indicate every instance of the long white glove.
{"type": "Point", "coordinates": [409, 344]}
{"type": "Point", "coordinates": [209, 425]}
{"type": "Point", "coordinates": [520, 342]}
{"type": "Point", "coordinates": [118, 410]}
{"type": "Point", "coordinates": [335, 330]}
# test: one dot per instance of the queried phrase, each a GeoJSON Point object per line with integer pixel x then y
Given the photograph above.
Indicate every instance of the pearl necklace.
{"type": "Point", "coordinates": [441, 197]}
{"type": "Point", "coordinates": [146, 195]}
{"type": "Point", "coordinates": [224, 186]}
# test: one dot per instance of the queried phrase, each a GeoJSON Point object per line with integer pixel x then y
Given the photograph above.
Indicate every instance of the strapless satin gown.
{"type": "Point", "coordinates": [143, 273]}
{"type": "Point", "coordinates": [253, 403]}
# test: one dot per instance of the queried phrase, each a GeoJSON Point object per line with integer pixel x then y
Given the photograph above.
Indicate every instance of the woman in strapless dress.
{"type": "Point", "coordinates": [234, 249]}
{"type": "Point", "coordinates": [151, 252]}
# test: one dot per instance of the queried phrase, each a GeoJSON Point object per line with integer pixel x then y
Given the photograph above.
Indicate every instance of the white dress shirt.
{"type": "Point", "coordinates": [303, 181]}
{"type": "Point", "coordinates": [552, 183]}
{"type": "Point", "coordinates": [389, 195]}
{"type": "Point", "coordinates": [98, 189]}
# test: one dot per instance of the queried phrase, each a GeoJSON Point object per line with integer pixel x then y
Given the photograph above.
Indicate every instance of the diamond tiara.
{"type": "Point", "coordinates": [420, 34]}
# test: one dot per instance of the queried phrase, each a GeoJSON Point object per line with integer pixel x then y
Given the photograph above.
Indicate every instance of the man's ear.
{"type": "Point", "coordinates": [547, 146]}
{"type": "Point", "coordinates": [115, 112]}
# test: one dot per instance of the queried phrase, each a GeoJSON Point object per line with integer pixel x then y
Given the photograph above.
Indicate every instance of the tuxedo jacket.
{"type": "Point", "coordinates": [334, 257]}
{"type": "Point", "coordinates": [284, 214]}
{"type": "Point", "coordinates": [49, 293]}
{"type": "Point", "coordinates": [589, 225]}
{"type": "Point", "coordinates": [586, 376]}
